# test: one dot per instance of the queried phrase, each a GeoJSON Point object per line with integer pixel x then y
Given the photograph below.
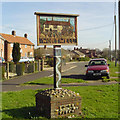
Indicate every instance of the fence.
{"type": "Point", "coordinates": [9, 69]}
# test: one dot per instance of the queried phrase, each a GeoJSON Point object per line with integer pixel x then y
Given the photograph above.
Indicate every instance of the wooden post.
{"type": "Point", "coordinates": [34, 65]}
{"type": "Point", "coordinates": [42, 64]}
{"type": "Point", "coordinates": [39, 65]}
{"type": "Point", "coordinates": [7, 70]}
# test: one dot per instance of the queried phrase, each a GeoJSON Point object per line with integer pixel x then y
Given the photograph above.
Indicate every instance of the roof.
{"type": "Point", "coordinates": [99, 59]}
{"type": "Point", "coordinates": [14, 39]}
{"type": "Point", "coordinates": [56, 14]}
{"type": "Point", "coordinates": [57, 23]}
{"type": "Point", "coordinates": [78, 53]}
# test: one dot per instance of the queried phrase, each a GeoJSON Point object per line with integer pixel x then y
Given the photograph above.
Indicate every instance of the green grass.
{"type": "Point", "coordinates": [113, 69]}
{"type": "Point", "coordinates": [49, 80]}
{"type": "Point", "coordinates": [97, 102]}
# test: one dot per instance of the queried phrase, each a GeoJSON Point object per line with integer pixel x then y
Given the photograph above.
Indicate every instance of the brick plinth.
{"type": "Point", "coordinates": [58, 103]}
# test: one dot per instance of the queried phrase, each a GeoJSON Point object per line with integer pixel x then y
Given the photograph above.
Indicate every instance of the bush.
{"type": "Point", "coordinates": [30, 68]}
{"type": "Point", "coordinates": [23, 66]}
{"type": "Point", "coordinates": [36, 66]}
{"type": "Point", "coordinates": [3, 72]}
{"type": "Point", "coordinates": [19, 69]}
{"type": "Point", "coordinates": [50, 62]}
{"type": "Point", "coordinates": [12, 67]}
{"type": "Point", "coordinates": [84, 59]}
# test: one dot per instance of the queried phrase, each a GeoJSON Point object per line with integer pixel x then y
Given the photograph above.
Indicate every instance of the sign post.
{"type": "Point", "coordinates": [57, 29]}
{"type": "Point", "coordinates": [57, 66]}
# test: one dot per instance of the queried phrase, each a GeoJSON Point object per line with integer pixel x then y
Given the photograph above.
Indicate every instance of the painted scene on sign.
{"type": "Point", "coordinates": [58, 30]}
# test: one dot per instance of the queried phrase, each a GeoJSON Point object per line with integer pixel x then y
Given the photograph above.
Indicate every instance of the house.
{"type": "Point", "coordinates": [48, 52]}
{"type": "Point", "coordinates": [78, 53]}
{"type": "Point", "coordinates": [2, 46]}
{"type": "Point", "coordinates": [88, 53]}
{"type": "Point", "coordinates": [27, 47]}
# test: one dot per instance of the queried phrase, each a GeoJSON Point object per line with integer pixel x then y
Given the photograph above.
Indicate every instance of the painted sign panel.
{"type": "Point", "coordinates": [55, 30]}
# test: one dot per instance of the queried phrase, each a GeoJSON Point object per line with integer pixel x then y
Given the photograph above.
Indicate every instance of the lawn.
{"type": "Point", "coordinates": [97, 102]}
{"type": "Point", "coordinates": [113, 69]}
{"type": "Point", "coordinates": [50, 80]}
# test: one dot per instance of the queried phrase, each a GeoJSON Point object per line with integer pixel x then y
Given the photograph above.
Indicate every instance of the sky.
{"type": "Point", "coordinates": [95, 23]}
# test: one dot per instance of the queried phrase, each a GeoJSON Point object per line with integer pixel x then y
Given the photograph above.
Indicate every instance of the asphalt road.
{"type": "Point", "coordinates": [77, 70]}
{"type": "Point", "coordinates": [70, 70]}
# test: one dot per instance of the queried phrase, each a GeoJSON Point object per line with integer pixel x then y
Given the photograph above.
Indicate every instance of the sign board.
{"type": "Point", "coordinates": [56, 29]}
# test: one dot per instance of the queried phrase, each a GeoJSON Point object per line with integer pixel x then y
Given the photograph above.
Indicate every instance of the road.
{"type": "Point", "coordinates": [70, 70]}
{"type": "Point", "coordinates": [77, 70]}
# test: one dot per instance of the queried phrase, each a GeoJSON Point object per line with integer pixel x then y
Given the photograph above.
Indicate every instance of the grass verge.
{"type": "Point", "coordinates": [50, 80]}
{"type": "Point", "coordinates": [97, 102]}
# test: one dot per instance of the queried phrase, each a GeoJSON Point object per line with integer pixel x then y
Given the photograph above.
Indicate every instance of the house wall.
{"type": "Point", "coordinates": [2, 47]}
{"type": "Point", "coordinates": [26, 51]}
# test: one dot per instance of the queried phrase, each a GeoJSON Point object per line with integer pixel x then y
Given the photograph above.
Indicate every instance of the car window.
{"type": "Point", "coordinates": [97, 62]}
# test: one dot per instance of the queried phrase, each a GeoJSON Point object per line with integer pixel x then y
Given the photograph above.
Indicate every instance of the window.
{"type": "Point", "coordinates": [46, 26]}
{"type": "Point", "coordinates": [46, 30]}
{"type": "Point", "coordinates": [55, 26]}
{"type": "Point", "coordinates": [31, 46]}
{"type": "Point", "coordinates": [20, 50]}
{"type": "Point", "coordinates": [11, 56]}
{"type": "Point", "coordinates": [30, 53]}
{"type": "Point", "coordinates": [20, 45]}
{"type": "Point", "coordinates": [11, 44]}
{"type": "Point", "coordinates": [25, 46]}
{"type": "Point", "coordinates": [25, 54]}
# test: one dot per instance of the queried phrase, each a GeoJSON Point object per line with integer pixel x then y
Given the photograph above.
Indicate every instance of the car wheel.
{"type": "Point", "coordinates": [108, 77]}
{"type": "Point", "coordinates": [87, 77]}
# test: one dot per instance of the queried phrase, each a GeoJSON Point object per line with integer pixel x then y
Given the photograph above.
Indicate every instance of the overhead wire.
{"type": "Point", "coordinates": [98, 27]}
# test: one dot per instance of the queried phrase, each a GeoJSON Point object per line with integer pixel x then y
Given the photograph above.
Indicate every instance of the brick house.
{"type": "Point", "coordinates": [27, 47]}
{"type": "Point", "coordinates": [89, 53]}
{"type": "Point", "coordinates": [2, 46]}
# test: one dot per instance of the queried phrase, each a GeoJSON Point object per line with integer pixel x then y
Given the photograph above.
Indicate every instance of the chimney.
{"type": "Point", "coordinates": [25, 35]}
{"type": "Point", "coordinates": [13, 33]}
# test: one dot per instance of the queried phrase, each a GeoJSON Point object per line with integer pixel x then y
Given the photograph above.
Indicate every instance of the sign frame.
{"type": "Point", "coordinates": [39, 14]}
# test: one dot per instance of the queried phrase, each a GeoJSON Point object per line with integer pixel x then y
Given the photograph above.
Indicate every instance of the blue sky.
{"type": "Point", "coordinates": [95, 23]}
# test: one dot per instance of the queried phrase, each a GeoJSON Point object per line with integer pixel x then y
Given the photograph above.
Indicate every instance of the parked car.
{"type": "Point", "coordinates": [26, 59]}
{"type": "Point", "coordinates": [2, 60]}
{"type": "Point", "coordinates": [97, 67]}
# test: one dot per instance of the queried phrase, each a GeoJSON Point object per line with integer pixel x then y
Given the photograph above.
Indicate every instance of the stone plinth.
{"type": "Point", "coordinates": [58, 103]}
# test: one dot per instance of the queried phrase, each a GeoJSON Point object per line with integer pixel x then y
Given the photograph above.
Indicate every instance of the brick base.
{"type": "Point", "coordinates": [58, 103]}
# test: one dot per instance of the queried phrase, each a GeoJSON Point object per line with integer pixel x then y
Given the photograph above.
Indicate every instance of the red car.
{"type": "Point", "coordinates": [97, 67]}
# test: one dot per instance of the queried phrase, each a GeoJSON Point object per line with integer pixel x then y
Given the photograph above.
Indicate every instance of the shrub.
{"type": "Point", "coordinates": [19, 69]}
{"type": "Point", "coordinates": [50, 62]}
{"type": "Point", "coordinates": [12, 67]}
{"type": "Point", "coordinates": [3, 72]}
{"type": "Point", "coordinates": [16, 52]}
{"type": "Point", "coordinates": [84, 59]}
{"type": "Point", "coordinates": [23, 66]}
{"type": "Point", "coordinates": [36, 66]}
{"type": "Point", "coordinates": [30, 68]}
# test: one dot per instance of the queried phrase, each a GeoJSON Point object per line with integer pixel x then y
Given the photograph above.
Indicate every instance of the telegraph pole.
{"type": "Point", "coordinates": [119, 46]}
{"type": "Point", "coordinates": [115, 36]}
{"type": "Point", "coordinates": [119, 32]}
{"type": "Point", "coordinates": [110, 50]}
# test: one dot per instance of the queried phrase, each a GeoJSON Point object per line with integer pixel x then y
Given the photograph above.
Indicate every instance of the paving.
{"type": "Point", "coordinates": [14, 83]}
